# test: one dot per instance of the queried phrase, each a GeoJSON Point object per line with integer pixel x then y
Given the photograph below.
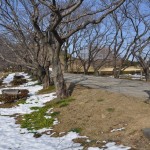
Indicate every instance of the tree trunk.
{"type": "Point", "coordinates": [115, 70]}
{"type": "Point", "coordinates": [65, 61]}
{"type": "Point", "coordinates": [147, 76]}
{"type": "Point", "coordinates": [46, 80]}
{"type": "Point", "coordinates": [60, 85]}
{"type": "Point", "coordinates": [96, 72]}
{"type": "Point", "coordinates": [85, 70]}
{"type": "Point", "coordinates": [40, 74]}
{"type": "Point", "coordinates": [43, 76]}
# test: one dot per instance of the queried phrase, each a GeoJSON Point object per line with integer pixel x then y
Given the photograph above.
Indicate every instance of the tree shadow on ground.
{"type": "Point", "coordinates": [148, 93]}
{"type": "Point", "coordinates": [73, 84]}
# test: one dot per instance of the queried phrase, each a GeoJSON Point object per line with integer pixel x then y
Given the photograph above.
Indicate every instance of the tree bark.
{"type": "Point", "coordinates": [65, 61]}
{"type": "Point", "coordinates": [147, 75]}
{"type": "Point", "coordinates": [96, 72]}
{"type": "Point", "coordinates": [40, 74]}
{"type": "Point", "coordinates": [85, 70]}
{"type": "Point", "coordinates": [46, 79]}
{"type": "Point", "coordinates": [60, 84]}
{"type": "Point", "coordinates": [116, 73]}
{"type": "Point", "coordinates": [43, 76]}
{"type": "Point", "coordinates": [115, 70]}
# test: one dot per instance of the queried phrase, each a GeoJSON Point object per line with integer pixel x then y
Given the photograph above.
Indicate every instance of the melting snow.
{"type": "Point", "coordinates": [11, 138]}
{"type": "Point", "coordinates": [14, 138]}
{"type": "Point", "coordinates": [9, 78]}
{"type": "Point", "coordinates": [110, 146]}
{"type": "Point", "coordinates": [115, 130]}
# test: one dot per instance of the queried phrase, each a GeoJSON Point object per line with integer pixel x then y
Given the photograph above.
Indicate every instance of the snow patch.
{"type": "Point", "coordinates": [12, 138]}
{"type": "Point", "coordinates": [110, 146]}
{"type": "Point", "coordinates": [115, 130]}
{"type": "Point", "coordinates": [9, 78]}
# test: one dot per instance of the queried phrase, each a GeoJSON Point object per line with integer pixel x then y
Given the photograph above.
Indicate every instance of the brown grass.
{"type": "Point", "coordinates": [97, 112]}
{"type": "Point", "coordinates": [17, 82]}
{"type": "Point", "coordinates": [2, 76]}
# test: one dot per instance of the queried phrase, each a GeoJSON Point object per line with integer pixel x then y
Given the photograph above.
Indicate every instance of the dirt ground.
{"type": "Point", "coordinates": [3, 74]}
{"type": "Point", "coordinates": [96, 113]}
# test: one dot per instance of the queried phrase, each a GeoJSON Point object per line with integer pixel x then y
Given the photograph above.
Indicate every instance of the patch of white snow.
{"type": "Point", "coordinates": [110, 146]}
{"type": "Point", "coordinates": [115, 130]}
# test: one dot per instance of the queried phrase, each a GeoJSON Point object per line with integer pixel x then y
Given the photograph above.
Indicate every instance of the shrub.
{"type": "Point", "coordinates": [17, 82]}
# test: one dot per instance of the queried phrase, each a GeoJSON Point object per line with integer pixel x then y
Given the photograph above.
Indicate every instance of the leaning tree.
{"type": "Point", "coordinates": [59, 13]}
{"type": "Point", "coordinates": [47, 18]}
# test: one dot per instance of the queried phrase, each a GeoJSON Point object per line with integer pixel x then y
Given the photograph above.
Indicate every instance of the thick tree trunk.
{"type": "Point", "coordinates": [43, 76]}
{"type": "Point", "coordinates": [60, 84]}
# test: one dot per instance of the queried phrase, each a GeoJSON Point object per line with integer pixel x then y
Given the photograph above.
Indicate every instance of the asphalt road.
{"type": "Point", "coordinates": [139, 89]}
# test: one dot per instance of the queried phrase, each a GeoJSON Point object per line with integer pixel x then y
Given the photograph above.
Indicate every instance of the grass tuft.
{"type": "Point", "coordinates": [48, 90]}
{"type": "Point", "coordinates": [54, 114]}
{"type": "Point", "coordinates": [100, 100]}
{"type": "Point", "coordinates": [21, 101]}
{"type": "Point", "coordinates": [110, 109]}
{"type": "Point", "coordinates": [77, 130]}
{"type": "Point", "coordinates": [35, 108]}
{"type": "Point", "coordinates": [64, 102]}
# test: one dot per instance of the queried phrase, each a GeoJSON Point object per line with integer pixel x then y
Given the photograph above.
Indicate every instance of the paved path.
{"type": "Point", "coordinates": [139, 89]}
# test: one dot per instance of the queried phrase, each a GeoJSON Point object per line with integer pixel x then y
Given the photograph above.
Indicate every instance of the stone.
{"type": "Point", "coordinates": [146, 132]}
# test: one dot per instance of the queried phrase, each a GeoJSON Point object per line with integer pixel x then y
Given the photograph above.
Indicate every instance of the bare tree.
{"type": "Point", "coordinates": [140, 24]}
{"type": "Point", "coordinates": [129, 26]}
{"type": "Point", "coordinates": [19, 38]}
{"type": "Point", "coordinates": [88, 45]}
{"type": "Point", "coordinates": [53, 19]}
{"type": "Point", "coordinates": [58, 17]}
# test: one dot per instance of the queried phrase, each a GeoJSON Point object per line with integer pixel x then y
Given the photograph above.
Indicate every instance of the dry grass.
{"type": "Point", "coordinates": [2, 76]}
{"type": "Point", "coordinates": [97, 112]}
{"type": "Point", "coordinates": [48, 90]}
{"type": "Point", "coordinates": [17, 82]}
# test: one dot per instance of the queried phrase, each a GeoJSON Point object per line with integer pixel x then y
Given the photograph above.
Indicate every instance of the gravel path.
{"type": "Point", "coordinates": [139, 89]}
